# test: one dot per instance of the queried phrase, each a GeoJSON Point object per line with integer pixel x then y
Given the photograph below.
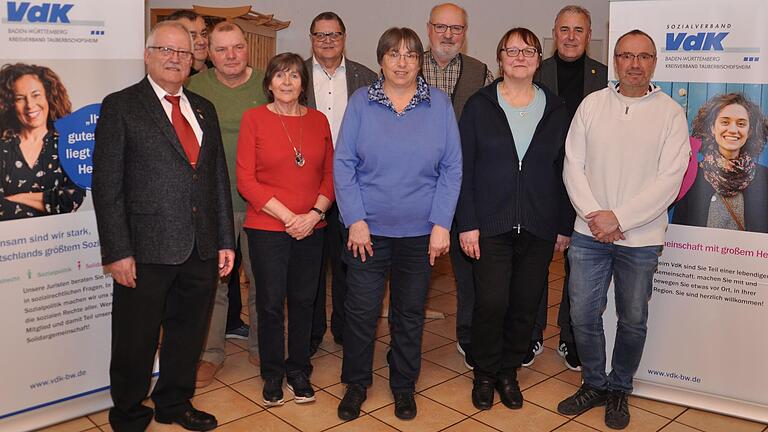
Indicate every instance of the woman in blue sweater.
{"type": "Point", "coordinates": [514, 208]}
{"type": "Point", "coordinates": [397, 173]}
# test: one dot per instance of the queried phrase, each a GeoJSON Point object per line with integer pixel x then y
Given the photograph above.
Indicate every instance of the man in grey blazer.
{"type": "Point", "coordinates": [332, 80]}
{"type": "Point", "coordinates": [164, 214]}
{"type": "Point", "coordinates": [572, 75]}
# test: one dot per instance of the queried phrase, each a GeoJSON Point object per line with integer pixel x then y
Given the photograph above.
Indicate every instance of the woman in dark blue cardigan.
{"type": "Point", "coordinates": [513, 208]}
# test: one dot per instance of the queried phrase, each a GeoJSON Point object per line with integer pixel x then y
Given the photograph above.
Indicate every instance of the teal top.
{"type": "Point", "coordinates": [230, 105]}
{"type": "Point", "coordinates": [523, 121]}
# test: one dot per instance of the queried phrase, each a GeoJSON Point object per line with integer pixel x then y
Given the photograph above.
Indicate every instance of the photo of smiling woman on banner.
{"type": "Point", "coordinates": [731, 187]}
{"type": "Point", "coordinates": [32, 180]}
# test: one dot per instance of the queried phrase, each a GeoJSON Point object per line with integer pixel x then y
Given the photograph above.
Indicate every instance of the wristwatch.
{"type": "Point", "coordinates": [318, 211]}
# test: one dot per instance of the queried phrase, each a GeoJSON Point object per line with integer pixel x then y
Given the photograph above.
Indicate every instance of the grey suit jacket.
{"type": "Point", "coordinates": [149, 201]}
{"type": "Point", "coordinates": [595, 75]}
{"type": "Point", "coordinates": [357, 76]}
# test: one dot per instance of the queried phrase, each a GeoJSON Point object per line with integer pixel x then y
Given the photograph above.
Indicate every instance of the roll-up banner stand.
{"type": "Point", "coordinates": [56, 300]}
{"type": "Point", "coordinates": [706, 344]}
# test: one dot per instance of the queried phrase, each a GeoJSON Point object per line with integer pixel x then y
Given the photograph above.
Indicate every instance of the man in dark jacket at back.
{"type": "Point", "coordinates": [572, 75]}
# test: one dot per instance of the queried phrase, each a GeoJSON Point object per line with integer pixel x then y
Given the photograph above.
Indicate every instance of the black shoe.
{"type": "Point", "coordinates": [509, 392]}
{"type": "Point", "coordinates": [273, 392]}
{"type": "Point", "coordinates": [583, 400]}
{"type": "Point", "coordinates": [535, 348]}
{"type": "Point", "coordinates": [465, 350]}
{"type": "Point", "coordinates": [567, 351]}
{"type": "Point", "coordinates": [405, 405]}
{"type": "Point", "coordinates": [191, 419]}
{"type": "Point", "coordinates": [301, 388]}
{"type": "Point", "coordinates": [482, 393]}
{"type": "Point", "coordinates": [349, 407]}
{"type": "Point", "coordinates": [617, 410]}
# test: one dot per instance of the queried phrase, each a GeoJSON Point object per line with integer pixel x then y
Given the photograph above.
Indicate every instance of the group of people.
{"type": "Point", "coordinates": [321, 160]}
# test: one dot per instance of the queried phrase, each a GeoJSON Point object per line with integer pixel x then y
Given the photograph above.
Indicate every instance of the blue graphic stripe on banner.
{"type": "Point", "coordinates": [76, 396]}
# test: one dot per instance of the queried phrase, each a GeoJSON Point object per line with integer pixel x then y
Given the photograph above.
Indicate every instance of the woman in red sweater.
{"type": "Point", "coordinates": [284, 165]}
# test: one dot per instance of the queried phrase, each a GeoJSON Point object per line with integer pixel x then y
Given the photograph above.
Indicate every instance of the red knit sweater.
{"type": "Point", "coordinates": [266, 166]}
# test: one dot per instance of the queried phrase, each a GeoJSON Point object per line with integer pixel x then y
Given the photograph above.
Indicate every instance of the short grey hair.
{"type": "Point", "coordinates": [163, 24]}
{"type": "Point", "coordinates": [577, 10]}
{"type": "Point", "coordinates": [464, 14]}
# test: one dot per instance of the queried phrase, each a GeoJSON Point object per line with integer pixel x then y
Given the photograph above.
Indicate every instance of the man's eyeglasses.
{"type": "Point", "coordinates": [410, 57]}
{"type": "Point", "coordinates": [628, 56]}
{"type": "Point", "coordinates": [442, 28]}
{"type": "Point", "coordinates": [514, 52]}
{"type": "Point", "coordinates": [323, 36]}
{"type": "Point", "coordinates": [166, 52]}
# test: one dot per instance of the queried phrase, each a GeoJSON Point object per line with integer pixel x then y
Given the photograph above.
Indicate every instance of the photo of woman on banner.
{"type": "Point", "coordinates": [32, 180]}
{"type": "Point", "coordinates": [730, 190]}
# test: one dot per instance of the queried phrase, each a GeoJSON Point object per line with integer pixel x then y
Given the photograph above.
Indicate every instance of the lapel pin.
{"type": "Point", "coordinates": [593, 72]}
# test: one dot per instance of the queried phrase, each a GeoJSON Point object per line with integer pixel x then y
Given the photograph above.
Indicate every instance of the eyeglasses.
{"type": "Point", "coordinates": [322, 36]}
{"type": "Point", "coordinates": [166, 52]}
{"type": "Point", "coordinates": [410, 57]}
{"type": "Point", "coordinates": [442, 28]}
{"type": "Point", "coordinates": [514, 52]}
{"type": "Point", "coordinates": [628, 56]}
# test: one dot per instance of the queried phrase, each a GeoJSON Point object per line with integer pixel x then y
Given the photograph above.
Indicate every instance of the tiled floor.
{"type": "Point", "coordinates": [444, 389]}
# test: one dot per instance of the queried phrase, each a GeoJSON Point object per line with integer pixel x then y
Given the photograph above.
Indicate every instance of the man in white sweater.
{"type": "Point", "coordinates": [626, 152]}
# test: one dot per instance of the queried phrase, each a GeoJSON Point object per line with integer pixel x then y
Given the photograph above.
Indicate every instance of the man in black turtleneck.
{"type": "Point", "coordinates": [572, 75]}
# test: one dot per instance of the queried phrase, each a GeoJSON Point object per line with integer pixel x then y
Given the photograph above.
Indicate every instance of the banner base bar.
{"type": "Point", "coordinates": [707, 402]}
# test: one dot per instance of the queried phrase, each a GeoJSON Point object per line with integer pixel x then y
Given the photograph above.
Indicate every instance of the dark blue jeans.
{"type": "Point", "coordinates": [407, 263]}
{"type": "Point", "coordinates": [284, 268]}
{"type": "Point", "coordinates": [592, 266]}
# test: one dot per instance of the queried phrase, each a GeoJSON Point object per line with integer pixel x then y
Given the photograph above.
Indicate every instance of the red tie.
{"type": "Point", "coordinates": [184, 131]}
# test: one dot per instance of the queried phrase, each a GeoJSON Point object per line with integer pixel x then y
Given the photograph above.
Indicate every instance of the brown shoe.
{"type": "Point", "coordinates": [205, 373]}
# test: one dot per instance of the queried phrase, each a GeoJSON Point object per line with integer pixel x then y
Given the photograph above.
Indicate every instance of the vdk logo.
{"type": "Point", "coordinates": [696, 42]}
{"type": "Point", "coordinates": [42, 13]}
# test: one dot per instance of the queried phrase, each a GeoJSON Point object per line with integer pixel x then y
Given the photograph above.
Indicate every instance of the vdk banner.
{"type": "Point", "coordinates": [60, 58]}
{"type": "Point", "coordinates": [708, 313]}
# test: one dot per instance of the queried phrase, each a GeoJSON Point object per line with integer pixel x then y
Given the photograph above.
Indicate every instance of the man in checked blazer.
{"type": "Point", "coordinates": [332, 80]}
{"type": "Point", "coordinates": [163, 208]}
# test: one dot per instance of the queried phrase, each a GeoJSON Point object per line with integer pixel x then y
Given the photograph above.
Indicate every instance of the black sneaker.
{"type": "Point", "coordinates": [405, 405]}
{"type": "Point", "coordinates": [583, 400]}
{"type": "Point", "coordinates": [617, 410]}
{"type": "Point", "coordinates": [301, 388]}
{"type": "Point", "coordinates": [509, 392]}
{"type": "Point", "coordinates": [482, 393]}
{"type": "Point", "coordinates": [238, 333]}
{"type": "Point", "coordinates": [349, 407]}
{"type": "Point", "coordinates": [273, 392]}
{"type": "Point", "coordinates": [567, 351]}
{"type": "Point", "coordinates": [535, 348]}
{"type": "Point", "coordinates": [466, 351]}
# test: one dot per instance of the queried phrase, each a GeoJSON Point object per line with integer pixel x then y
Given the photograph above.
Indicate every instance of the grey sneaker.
{"type": "Point", "coordinates": [583, 400]}
{"type": "Point", "coordinates": [617, 410]}
{"type": "Point", "coordinates": [238, 333]}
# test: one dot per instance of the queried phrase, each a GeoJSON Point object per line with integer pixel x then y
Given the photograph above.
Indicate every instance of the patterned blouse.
{"type": "Point", "coordinates": [60, 193]}
{"type": "Point", "coordinates": [376, 94]}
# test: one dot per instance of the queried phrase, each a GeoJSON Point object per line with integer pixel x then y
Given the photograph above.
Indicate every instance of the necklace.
{"type": "Point", "coordinates": [298, 157]}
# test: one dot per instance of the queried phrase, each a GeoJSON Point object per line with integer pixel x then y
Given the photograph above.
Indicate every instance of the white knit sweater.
{"type": "Point", "coordinates": [627, 155]}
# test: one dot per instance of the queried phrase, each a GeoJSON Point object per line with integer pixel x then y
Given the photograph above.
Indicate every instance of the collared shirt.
{"type": "Point", "coordinates": [376, 94]}
{"type": "Point", "coordinates": [186, 108]}
{"type": "Point", "coordinates": [330, 93]}
{"type": "Point", "coordinates": [446, 78]}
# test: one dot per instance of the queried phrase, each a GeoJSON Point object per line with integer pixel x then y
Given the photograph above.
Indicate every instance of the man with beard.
{"type": "Point", "coordinates": [195, 25]}
{"type": "Point", "coordinates": [459, 75]}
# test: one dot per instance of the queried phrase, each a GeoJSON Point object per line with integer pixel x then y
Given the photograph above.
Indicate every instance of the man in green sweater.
{"type": "Point", "coordinates": [233, 87]}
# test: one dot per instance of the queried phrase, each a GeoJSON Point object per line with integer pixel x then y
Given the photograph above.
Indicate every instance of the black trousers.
{"type": "Point", "coordinates": [465, 289]}
{"type": "Point", "coordinates": [333, 245]}
{"type": "Point", "coordinates": [284, 268]}
{"type": "Point", "coordinates": [510, 278]}
{"type": "Point", "coordinates": [178, 298]}
{"type": "Point", "coordinates": [564, 314]}
{"type": "Point", "coordinates": [233, 292]}
{"type": "Point", "coordinates": [406, 261]}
